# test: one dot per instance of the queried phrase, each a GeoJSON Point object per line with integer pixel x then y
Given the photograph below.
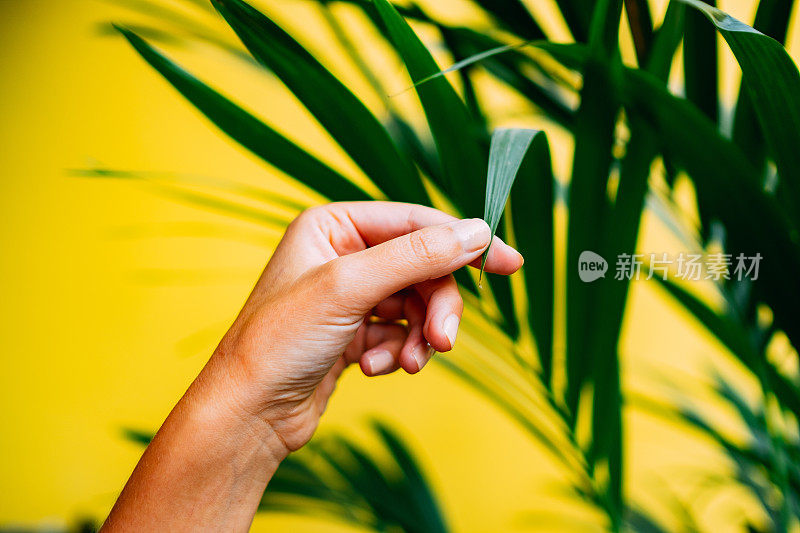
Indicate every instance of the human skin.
{"type": "Point", "coordinates": [363, 282]}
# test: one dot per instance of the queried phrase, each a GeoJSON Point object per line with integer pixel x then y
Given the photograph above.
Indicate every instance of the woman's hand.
{"type": "Point", "coordinates": [365, 282]}
{"type": "Point", "coordinates": [337, 266]}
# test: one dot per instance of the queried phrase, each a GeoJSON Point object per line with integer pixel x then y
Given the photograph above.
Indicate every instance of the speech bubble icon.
{"type": "Point", "coordinates": [591, 266]}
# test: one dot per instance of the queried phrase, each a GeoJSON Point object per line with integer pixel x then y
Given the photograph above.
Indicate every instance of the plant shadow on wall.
{"type": "Point", "coordinates": [635, 142]}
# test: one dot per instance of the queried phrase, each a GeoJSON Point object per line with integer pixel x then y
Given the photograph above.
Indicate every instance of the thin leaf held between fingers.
{"type": "Point", "coordinates": [507, 151]}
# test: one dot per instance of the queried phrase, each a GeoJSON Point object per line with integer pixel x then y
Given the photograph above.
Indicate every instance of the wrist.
{"type": "Point", "coordinates": [211, 461]}
{"type": "Point", "coordinates": [243, 372]}
{"type": "Point", "coordinates": [223, 395]}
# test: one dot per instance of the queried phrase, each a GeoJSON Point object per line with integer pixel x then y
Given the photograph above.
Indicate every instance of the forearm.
{"type": "Point", "coordinates": [206, 468]}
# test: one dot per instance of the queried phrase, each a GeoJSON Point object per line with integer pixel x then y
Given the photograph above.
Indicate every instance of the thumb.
{"type": "Point", "coordinates": [374, 274]}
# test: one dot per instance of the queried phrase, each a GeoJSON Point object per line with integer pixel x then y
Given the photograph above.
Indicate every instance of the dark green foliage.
{"type": "Point", "coordinates": [248, 130]}
{"type": "Point", "coordinates": [609, 182]}
{"type": "Point", "coordinates": [348, 120]}
{"type": "Point", "coordinates": [338, 478]}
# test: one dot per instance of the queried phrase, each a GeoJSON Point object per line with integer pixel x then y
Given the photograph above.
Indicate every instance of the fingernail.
{"type": "Point", "coordinates": [380, 362]}
{"type": "Point", "coordinates": [422, 358]}
{"type": "Point", "coordinates": [431, 353]}
{"type": "Point", "coordinates": [473, 234]}
{"type": "Point", "coordinates": [450, 326]}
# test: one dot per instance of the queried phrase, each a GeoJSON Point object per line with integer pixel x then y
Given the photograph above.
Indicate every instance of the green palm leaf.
{"type": "Point", "coordinates": [344, 481]}
{"type": "Point", "coordinates": [338, 478]}
{"type": "Point", "coordinates": [513, 15]}
{"type": "Point", "coordinates": [508, 149]}
{"type": "Point", "coordinates": [666, 41]}
{"type": "Point", "coordinates": [772, 19]}
{"type": "Point", "coordinates": [773, 83]}
{"type": "Point", "coordinates": [347, 119]}
{"type": "Point", "coordinates": [506, 63]}
{"type": "Point", "coordinates": [731, 187]}
{"type": "Point", "coordinates": [532, 206]}
{"type": "Point", "coordinates": [460, 140]}
{"type": "Point", "coordinates": [700, 64]}
{"type": "Point", "coordinates": [248, 131]}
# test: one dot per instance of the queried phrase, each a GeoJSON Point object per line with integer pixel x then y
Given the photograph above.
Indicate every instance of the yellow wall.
{"type": "Point", "coordinates": [112, 296]}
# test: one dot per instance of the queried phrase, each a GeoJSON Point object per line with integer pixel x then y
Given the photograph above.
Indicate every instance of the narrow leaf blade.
{"type": "Point", "coordinates": [753, 219]}
{"type": "Point", "coordinates": [773, 83]}
{"type": "Point", "coordinates": [506, 153]}
{"type": "Point", "coordinates": [337, 109]}
{"type": "Point", "coordinates": [532, 205]}
{"type": "Point", "coordinates": [772, 18]}
{"type": "Point", "coordinates": [515, 16]}
{"type": "Point", "coordinates": [248, 131]}
{"type": "Point", "coordinates": [458, 139]}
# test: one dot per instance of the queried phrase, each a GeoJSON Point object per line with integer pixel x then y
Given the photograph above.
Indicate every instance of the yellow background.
{"type": "Point", "coordinates": [113, 296]}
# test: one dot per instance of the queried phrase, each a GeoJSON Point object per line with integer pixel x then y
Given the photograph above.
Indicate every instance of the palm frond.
{"type": "Point", "coordinates": [626, 120]}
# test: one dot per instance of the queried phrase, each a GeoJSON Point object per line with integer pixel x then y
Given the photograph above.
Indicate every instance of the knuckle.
{"type": "Point", "coordinates": [435, 246]}
{"type": "Point", "coordinates": [449, 292]}
{"type": "Point", "coordinates": [309, 213]}
{"type": "Point", "coordinates": [302, 220]}
{"type": "Point", "coordinates": [423, 245]}
{"type": "Point", "coordinates": [332, 279]}
{"type": "Point", "coordinates": [321, 211]}
{"type": "Point", "coordinates": [453, 247]}
{"type": "Point", "coordinates": [337, 291]}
